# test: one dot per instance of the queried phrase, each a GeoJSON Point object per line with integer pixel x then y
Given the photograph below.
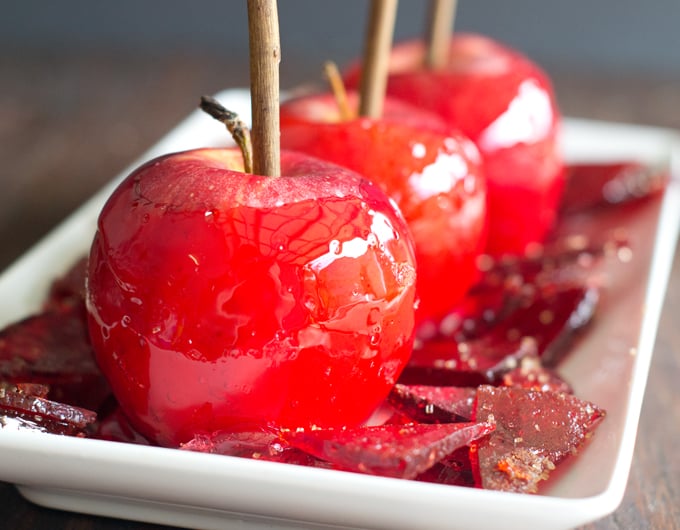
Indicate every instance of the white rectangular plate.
{"type": "Point", "coordinates": [609, 366]}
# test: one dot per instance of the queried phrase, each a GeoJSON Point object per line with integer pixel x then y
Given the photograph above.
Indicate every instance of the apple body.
{"type": "Point", "coordinates": [218, 298]}
{"type": "Point", "coordinates": [435, 177]}
{"type": "Point", "coordinates": [505, 103]}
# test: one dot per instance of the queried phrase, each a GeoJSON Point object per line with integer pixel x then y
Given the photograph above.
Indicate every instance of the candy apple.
{"type": "Point", "coordinates": [434, 177]}
{"type": "Point", "coordinates": [218, 298]}
{"type": "Point", "coordinates": [505, 104]}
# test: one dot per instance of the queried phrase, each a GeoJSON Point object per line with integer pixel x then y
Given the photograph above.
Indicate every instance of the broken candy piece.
{"type": "Point", "coordinates": [545, 325]}
{"type": "Point", "coordinates": [256, 444]}
{"type": "Point", "coordinates": [515, 282]}
{"type": "Point", "coordinates": [554, 318]}
{"type": "Point", "coordinates": [606, 184]}
{"type": "Point", "coordinates": [69, 290]}
{"type": "Point", "coordinates": [399, 451]}
{"type": "Point", "coordinates": [53, 348]}
{"type": "Point", "coordinates": [116, 427]}
{"type": "Point", "coordinates": [433, 404]}
{"type": "Point", "coordinates": [534, 432]}
{"type": "Point", "coordinates": [446, 362]}
{"type": "Point", "coordinates": [454, 469]}
{"type": "Point", "coordinates": [37, 413]}
{"type": "Point", "coordinates": [533, 375]}
{"type": "Point", "coordinates": [489, 301]}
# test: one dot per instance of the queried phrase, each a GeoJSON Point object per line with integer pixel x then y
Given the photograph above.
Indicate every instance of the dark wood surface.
{"type": "Point", "coordinates": [68, 124]}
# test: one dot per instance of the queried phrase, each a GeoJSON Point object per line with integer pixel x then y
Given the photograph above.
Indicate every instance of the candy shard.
{"type": "Point", "coordinates": [591, 186]}
{"type": "Point", "coordinates": [37, 413]}
{"type": "Point", "coordinates": [454, 469]}
{"type": "Point", "coordinates": [53, 348]}
{"type": "Point", "coordinates": [257, 444]}
{"type": "Point", "coordinates": [399, 451]}
{"type": "Point", "coordinates": [534, 431]}
{"type": "Point", "coordinates": [467, 363]}
{"type": "Point", "coordinates": [531, 374]}
{"type": "Point", "coordinates": [433, 404]}
{"type": "Point", "coordinates": [116, 427]}
{"type": "Point", "coordinates": [488, 302]}
{"type": "Point", "coordinates": [69, 289]}
{"type": "Point", "coordinates": [558, 317]}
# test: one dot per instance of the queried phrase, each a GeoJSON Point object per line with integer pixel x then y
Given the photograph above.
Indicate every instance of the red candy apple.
{"type": "Point", "coordinates": [219, 298]}
{"type": "Point", "coordinates": [434, 177]}
{"type": "Point", "coordinates": [506, 105]}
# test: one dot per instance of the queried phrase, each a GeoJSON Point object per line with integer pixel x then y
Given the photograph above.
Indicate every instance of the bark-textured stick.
{"type": "Point", "coordinates": [376, 57]}
{"type": "Point", "coordinates": [338, 89]}
{"type": "Point", "coordinates": [438, 32]}
{"type": "Point", "coordinates": [265, 56]}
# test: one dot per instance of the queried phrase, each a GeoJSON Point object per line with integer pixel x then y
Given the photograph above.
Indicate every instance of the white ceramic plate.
{"type": "Point", "coordinates": [609, 366]}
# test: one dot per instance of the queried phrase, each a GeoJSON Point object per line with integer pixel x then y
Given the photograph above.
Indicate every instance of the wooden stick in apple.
{"type": "Point", "coordinates": [338, 89]}
{"type": "Point", "coordinates": [376, 57]}
{"type": "Point", "coordinates": [438, 32]}
{"type": "Point", "coordinates": [265, 56]}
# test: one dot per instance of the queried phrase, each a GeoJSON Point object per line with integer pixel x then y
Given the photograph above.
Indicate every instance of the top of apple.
{"type": "Point", "coordinates": [323, 108]}
{"type": "Point", "coordinates": [468, 53]}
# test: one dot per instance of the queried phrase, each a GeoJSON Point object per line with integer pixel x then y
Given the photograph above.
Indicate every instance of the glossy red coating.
{"type": "Point", "coordinates": [434, 177]}
{"type": "Point", "coordinates": [217, 297]}
{"type": "Point", "coordinates": [506, 105]}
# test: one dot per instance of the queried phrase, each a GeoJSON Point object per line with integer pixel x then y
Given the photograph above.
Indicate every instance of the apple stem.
{"type": "Point", "coordinates": [439, 28]}
{"type": "Point", "coordinates": [265, 56]}
{"type": "Point", "coordinates": [239, 130]}
{"type": "Point", "coordinates": [338, 89]}
{"type": "Point", "coordinates": [376, 57]}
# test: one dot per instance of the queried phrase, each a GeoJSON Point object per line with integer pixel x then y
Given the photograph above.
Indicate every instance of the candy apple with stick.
{"type": "Point", "coordinates": [505, 103]}
{"type": "Point", "coordinates": [221, 295]}
{"type": "Point", "coordinates": [433, 173]}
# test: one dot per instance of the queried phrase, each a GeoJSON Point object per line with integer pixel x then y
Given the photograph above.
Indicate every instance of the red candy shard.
{"type": "Point", "coordinates": [116, 427]}
{"type": "Point", "coordinates": [53, 348]}
{"type": "Point", "coordinates": [69, 290]}
{"type": "Point", "coordinates": [567, 255]}
{"type": "Point", "coordinates": [454, 469]}
{"type": "Point", "coordinates": [37, 413]}
{"type": "Point", "coordinates": [250, 444]}
{"type": "Point", "coordinates": [531, 374]}
{"type": "Point", "coordinates": [256, 444]}
{"type": "Point", "coordinates": [554, 319]}
{"type": "Point", "coordinates": [398, 451]}
{"type": "Point", "coordinates": [545, 327]}
{"type": "Point", "coordinates": [467, 363]}
{"type": "Point", "coordinates": [514, 282]}
{"type": "Point", "coordinates": [534, 431]}
{"type": "Point", "coordinates": [599, 185]}
{"type": "Point", "coordinates": [433, 404]}
{"type": "Point", "coordinates": [489, 301]}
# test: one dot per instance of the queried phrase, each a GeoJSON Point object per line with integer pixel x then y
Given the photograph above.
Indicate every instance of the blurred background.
{"type": "Point", "coordinates": [86, 87]}
{"type": "Point", "coordinates": [610, 36]}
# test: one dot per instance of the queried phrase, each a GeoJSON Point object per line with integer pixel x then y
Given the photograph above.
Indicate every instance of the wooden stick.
{"type": "Point", "coordinates": [376, 57]}
{"type": "Point", "coordinates": [265, 56]}
{"type": "Point", "coordinates": [439, 28]}
{"type": "Point", "coordinates": [338, 89]}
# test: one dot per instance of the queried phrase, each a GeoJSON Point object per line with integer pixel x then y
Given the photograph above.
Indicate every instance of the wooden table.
{"type": "Point", "coordinates": [68, 124]}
